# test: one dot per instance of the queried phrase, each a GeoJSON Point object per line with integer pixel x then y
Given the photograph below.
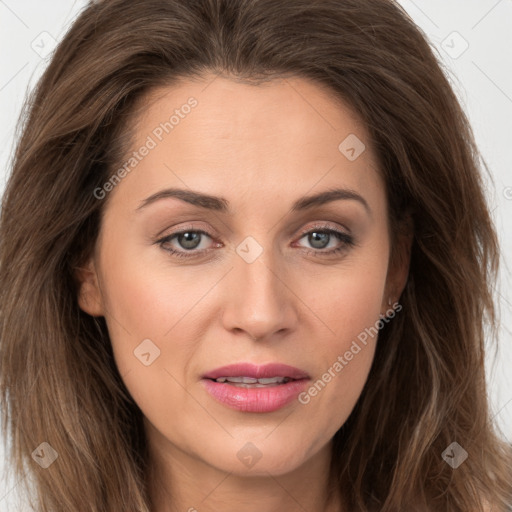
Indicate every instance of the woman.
{"type": "Point", "coordinates": [246, 264]}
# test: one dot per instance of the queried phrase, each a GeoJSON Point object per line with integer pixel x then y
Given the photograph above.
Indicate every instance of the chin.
{"type": "Point", "coordinates": [258, 458]}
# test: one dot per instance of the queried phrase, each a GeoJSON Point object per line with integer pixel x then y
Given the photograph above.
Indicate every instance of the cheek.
{"type": "Point", "coordinates": [152, 342]}
{"type": "Point", "coordinates": [347, 358]}
{"type": "Point", "coordinates": [139, 304]}
{"type": "Point", "coordinates": [154, 317]}
{"type": "Point", "coordinates": [350, 307]}
{"type": "Point", "coordinates": [348, 299]}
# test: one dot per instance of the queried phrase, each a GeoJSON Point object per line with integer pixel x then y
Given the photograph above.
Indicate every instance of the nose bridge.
{"type": "Point", "coordinates": [260, 300]}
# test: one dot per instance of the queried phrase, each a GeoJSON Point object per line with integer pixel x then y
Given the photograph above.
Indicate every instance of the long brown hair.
{"type": "Point", "coordinates": [426, 389]}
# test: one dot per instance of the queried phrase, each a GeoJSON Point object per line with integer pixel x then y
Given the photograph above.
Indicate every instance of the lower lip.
{"type": "Point", "coordinates": [266, 399]}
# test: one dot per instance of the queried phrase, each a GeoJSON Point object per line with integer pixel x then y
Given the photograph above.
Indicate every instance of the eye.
{"type": "Point", "coordinates": [320, 237]}
{"type": "Point", "coordinates": [186, 242]}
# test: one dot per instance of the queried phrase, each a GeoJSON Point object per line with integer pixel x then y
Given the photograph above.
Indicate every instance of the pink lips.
{"type": "Point", "coordinates": [256, 399]}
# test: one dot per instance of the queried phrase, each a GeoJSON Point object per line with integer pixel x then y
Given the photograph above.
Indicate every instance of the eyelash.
{"type": "Point", "coordinates": [347, 242]}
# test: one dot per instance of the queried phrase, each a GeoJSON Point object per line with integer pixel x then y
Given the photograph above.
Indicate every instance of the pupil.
{"type": "Point", "coordinates": [314, 238]}
{"type": "Point", "coordinates": [189, 242]}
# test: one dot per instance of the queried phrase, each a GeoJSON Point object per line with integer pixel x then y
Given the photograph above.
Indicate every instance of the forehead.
{"type": "Point", "coordinates": [287, 134]}
{"type": "Point", "coordinates": [227, 109]}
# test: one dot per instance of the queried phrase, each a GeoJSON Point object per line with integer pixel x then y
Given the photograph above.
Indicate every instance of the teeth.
{"type": "Point", "coordinates": [241, 380]}
{"type": "Point", "coordinates": [272, 380]}
{"type": "Point", "coordinates": [252, 380]}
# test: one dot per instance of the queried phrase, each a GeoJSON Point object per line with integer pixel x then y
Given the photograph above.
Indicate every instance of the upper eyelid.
{"type": "Point", "coordinates": [326, 226]}
{"type": "Point", "coordinates": [317, 225]}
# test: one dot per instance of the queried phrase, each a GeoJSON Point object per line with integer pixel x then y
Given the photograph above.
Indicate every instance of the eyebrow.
{"type": "Point", "coordinates": [220, 204]}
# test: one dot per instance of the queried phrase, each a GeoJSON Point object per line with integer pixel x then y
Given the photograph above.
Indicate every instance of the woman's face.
{"type": "Point", "coordinates": [250, 283]}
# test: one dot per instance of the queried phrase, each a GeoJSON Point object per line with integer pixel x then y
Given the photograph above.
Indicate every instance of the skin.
{"type": "Point", "coordinates": [261, 148]}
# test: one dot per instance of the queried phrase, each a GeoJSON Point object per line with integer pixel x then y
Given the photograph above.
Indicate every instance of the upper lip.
{"type": "Point", "coordinates": [257, 371]}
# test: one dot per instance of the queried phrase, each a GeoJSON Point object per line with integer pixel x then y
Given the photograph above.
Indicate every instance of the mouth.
{"type": "Point", "coordinates": [250, 388]}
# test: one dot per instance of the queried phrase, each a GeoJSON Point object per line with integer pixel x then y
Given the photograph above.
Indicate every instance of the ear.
{"type": "Point", "coordinates": [89, 293]}
{"type": "Point", "coordinates": [398, 270]}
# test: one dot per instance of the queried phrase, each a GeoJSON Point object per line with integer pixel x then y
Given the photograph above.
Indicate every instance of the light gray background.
{"type": "Point", "coordinates": [480, 74]}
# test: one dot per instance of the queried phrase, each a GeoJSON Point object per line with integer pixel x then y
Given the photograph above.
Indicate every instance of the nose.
{"type": "Point", "coordinates": [259, 299]}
